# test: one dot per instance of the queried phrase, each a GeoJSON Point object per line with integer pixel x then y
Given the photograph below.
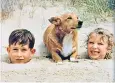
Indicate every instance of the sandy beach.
{"type": "Point", "coordinates": [42, 69]}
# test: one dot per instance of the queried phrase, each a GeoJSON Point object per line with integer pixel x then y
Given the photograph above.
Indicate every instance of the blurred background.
{"type": "Point", "coordinates": [94, 9]}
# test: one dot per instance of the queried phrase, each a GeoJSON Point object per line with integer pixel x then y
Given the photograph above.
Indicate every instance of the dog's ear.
{"type": "Point", "coordinates": [55, 20]}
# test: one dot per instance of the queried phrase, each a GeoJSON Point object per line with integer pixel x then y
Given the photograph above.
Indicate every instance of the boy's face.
{"type": "Point", "coordinates": [20, 53]}
{"type": "Point", "coordinates": [97, 46]}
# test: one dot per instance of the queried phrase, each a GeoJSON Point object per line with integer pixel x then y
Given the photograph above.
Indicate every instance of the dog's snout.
{"type": "Point", "coordinates": [80, 24]}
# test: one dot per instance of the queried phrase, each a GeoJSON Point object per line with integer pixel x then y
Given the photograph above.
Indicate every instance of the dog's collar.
{"type": "Point", "coordinates": [59, 33]}
{"type": "Point", "coordinates": [60, 30]}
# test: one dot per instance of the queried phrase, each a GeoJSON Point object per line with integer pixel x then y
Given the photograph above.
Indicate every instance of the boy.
{"type": "Point", "coordinates": [21, 43]}
{"type": "Point", "coordinates": [100, 44]}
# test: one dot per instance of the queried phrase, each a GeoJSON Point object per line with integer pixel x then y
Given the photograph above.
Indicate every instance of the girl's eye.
{"type": "Point", "coordinates": [69, 18]}
{"type": "Point", "coordinates": [100, 43]}
{"type": "Point", "coordinates": [91, 42]}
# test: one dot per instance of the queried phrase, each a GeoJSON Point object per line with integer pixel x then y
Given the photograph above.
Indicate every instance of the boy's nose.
{"type": "Point", "coordinates": [19, 55]}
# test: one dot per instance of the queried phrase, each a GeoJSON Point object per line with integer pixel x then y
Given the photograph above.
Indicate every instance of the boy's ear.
{"type": "Point", "coordinates": [33, 51]}
{"type": "Point", "coordinates": [8, 49]}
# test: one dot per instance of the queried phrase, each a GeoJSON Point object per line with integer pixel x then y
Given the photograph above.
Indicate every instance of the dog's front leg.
{"type": "Point", "coordinates": [74, 56]}
{"type": "Point", "coordinates": [56, 57]}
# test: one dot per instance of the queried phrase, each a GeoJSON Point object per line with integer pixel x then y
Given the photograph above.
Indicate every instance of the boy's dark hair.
{"type": "Point", "coordinates": [22, 36]}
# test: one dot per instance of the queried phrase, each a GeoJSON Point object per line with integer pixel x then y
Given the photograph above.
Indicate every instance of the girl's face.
{"type": "Point", "coordinates": [97, 46]}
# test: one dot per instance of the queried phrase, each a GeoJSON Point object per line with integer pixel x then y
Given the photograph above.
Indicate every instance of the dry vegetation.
{"type": "Point", "coordinates": [93, 10]}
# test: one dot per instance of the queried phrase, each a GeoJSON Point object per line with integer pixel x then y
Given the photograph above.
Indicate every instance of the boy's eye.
{"type": "Point", "coordinates": [24, 49]}
{"type": "Point", "coordinates": [15, 49]}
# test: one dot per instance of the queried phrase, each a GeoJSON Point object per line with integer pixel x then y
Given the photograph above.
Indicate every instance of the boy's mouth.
{"type": "Point", "coordinates": [19, 59]}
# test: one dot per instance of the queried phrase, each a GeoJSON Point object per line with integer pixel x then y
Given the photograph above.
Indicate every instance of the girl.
{"type": "Point", "coordinates": [100, 44]}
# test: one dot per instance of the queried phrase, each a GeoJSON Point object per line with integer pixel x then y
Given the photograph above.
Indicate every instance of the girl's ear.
{"type": "Point", "coordinates": [109, 47]}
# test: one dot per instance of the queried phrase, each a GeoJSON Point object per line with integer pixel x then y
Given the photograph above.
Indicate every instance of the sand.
{"type": "Point", "coordinates": [42, 69]}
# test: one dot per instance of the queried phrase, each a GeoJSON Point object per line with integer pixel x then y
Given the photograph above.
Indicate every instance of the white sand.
{"type": "Point", "coordinates": [41, 69]}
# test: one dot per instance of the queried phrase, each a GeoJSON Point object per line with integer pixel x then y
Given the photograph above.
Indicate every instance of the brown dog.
{"type": "Point", "coordinates": [61, 37]}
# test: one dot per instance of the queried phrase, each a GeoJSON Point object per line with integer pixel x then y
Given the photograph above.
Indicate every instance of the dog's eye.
{"type": "Point", "coordinates": [69, 18]}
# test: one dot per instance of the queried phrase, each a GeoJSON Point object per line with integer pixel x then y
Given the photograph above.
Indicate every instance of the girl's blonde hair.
{"type": "Point", "coordinates": [109, 36]}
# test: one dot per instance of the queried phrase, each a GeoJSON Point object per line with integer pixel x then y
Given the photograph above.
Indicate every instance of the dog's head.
{"type": "Point", "coordinates": [67, 22]}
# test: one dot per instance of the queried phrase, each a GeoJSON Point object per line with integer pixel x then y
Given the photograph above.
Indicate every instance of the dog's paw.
{"type": "Point", "coordinates": [73, 59]}
{"type": "Point", "coordinates": [59, 63]}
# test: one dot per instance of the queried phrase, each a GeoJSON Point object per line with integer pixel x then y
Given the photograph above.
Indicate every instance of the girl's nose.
{"type": "Point", "coordinates": [94, 45]}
